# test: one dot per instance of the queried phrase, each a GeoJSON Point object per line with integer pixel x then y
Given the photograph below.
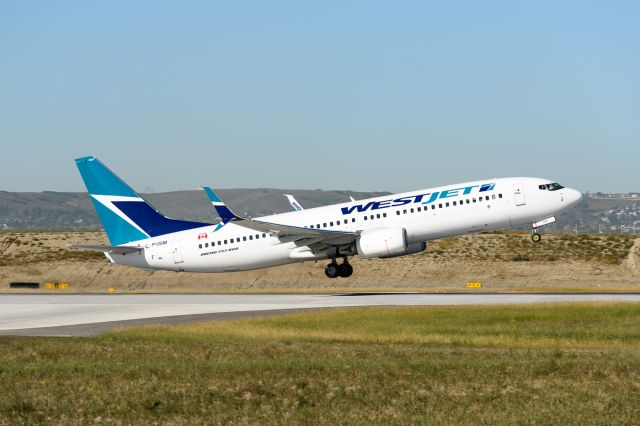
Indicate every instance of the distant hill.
{"type": "Point", "coordinates": [73, 211]}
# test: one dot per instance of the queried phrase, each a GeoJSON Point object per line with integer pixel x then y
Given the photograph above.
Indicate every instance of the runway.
{"type": "Point", "coordinates": [91, 314]}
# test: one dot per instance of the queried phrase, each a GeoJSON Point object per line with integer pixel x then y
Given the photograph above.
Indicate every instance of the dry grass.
{"type": "Point", "coordinates": [28, 248]}
{"type": "Point", "coordinates": [500, 261]}
{"type": "Point", "coordinates": [544, 364]}
{"type": "Point", "coordinates": [516, 246]}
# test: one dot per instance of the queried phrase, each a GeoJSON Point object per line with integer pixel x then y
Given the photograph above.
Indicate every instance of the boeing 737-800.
{"type": "Point", "coordinates": [383, 227]}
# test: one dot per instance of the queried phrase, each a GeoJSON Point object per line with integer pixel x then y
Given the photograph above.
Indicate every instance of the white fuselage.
{"type": "Point", "coordinates": [449, 210]}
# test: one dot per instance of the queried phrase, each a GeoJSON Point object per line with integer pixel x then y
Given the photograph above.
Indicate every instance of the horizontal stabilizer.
{"type": "Point", "coordinates": [109, 249]}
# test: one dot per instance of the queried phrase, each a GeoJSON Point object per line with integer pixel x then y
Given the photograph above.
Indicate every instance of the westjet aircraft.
{"type": "Point", "coordinates": [383, 227]}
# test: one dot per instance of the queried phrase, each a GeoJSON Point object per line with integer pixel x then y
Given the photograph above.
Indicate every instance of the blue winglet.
{"type": "Point", "coordinates": [223, 211]}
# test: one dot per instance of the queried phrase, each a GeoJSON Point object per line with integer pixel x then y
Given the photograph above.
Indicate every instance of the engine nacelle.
{"type": "Point", "coordinates": [382, 242]}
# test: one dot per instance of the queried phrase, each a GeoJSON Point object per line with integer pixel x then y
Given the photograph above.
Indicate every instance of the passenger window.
{"type": "Point", "coordinates": [244, 238]}
{"type": "Point", "coordinates": [499, 195]}
{"type": "Point", "coordinates": [446, 204]}
{"type": "Point", "coordinates": [264, 235]}
{"type": "Point", "coordinates": [397, 212]}
{"type": "Point", "coordinates": [468, 201]}
{"type": "Point", "coordinates": [225, 241]}
{"type": "Point", "coordinates": [384, 215]}
{"type": "Point", "coordinates": [419, 209]}
{"type": "Point", "coordinates": [365, 218]}
{"type": "Point", "coordinates": [372, 217]}
{"type": "Point", "coordinates": [439, 206]}
{"type": "Point", "coordinates": [324, 225]}
{"type": "Point", "coordinates": [257, 236]}
{"type": "Point", "coordinates": [330, 223]}
{"type": "Point", "coordinates": [378, 216]}
{"type": "Point", "coordinates": [454, 203]}
{"type": "Point", "coordinates": [493, 196]}
{"type": "Point", "coordinates": [353, 220]}
{"type": "Point", "coordinates": [479, 199]}
{"type": "Point", "coordinates": [411, 210]}
{"type": "Point", "coordinates": [433, 207]}
{"type": "Point", "coordinates": [250, 237]}
{"type": "Point", "coordinates": [199, 245]}
{"type": "Point", "coordinates": [318, 226]}
{"type": "Point", "coordinates": [219, 242]}
{"type": "Point", "coordinates": [486, 198]}
{"type": "Point", "coordinates": [404, 212]}
{"type": "Point", "coordinates": [346, 221]}
{"type": "Point", "coordinates": [474, 200]}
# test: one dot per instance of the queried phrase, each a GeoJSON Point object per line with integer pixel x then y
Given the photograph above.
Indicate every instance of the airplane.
{"type": "Point", "coordinates": [381, 227]}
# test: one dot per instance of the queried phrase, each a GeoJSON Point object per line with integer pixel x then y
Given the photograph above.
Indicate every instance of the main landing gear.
{"type": "Point", "coordinates": [335, 270]}
{"type": "Point", "coordinates": [535, 236]}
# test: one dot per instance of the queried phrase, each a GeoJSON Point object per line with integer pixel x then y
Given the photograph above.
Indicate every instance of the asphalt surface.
{"type": "Point", "coordinates": [92, 314]}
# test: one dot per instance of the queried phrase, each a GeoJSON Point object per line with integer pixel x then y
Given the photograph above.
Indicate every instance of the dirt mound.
{"type": "Point", "coordinates": [497, 260]}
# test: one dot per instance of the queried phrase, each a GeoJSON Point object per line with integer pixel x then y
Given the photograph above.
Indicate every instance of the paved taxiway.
{"type": "Point", "coordinates": [89, 314]}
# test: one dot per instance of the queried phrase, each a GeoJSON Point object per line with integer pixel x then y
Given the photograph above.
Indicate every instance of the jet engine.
{"type": "Point", "coordinates": [386, 243]}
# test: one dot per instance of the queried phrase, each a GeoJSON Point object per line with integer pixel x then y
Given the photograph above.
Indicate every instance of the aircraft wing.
{"type": "Point", "coordinates": [109, 249]}
{"type": "Point", "coordinates": [273, 228]}
{"type": "Point", "coordinates": [283, 230]}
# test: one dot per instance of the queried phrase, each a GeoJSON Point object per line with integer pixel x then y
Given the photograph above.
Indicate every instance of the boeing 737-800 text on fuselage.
{"type": "Point", "coordinates": [382, 227]}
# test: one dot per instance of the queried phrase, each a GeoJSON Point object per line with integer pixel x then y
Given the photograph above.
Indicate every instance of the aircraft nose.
{"type": "Point", "coordinates": [573, 196]}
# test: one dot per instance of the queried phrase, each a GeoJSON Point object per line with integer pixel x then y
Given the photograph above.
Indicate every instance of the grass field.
{"type": "Point", "coordinates": [537, 364]}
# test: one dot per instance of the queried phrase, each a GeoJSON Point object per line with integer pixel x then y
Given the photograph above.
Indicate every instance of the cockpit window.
{"type": "Point", "coordinates": [542, 187]}
{"type": "Point", "coordinates": [554, 186]}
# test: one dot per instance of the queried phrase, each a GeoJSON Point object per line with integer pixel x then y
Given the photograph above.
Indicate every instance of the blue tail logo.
{"type": "Point", "coordinates": [125, 215]}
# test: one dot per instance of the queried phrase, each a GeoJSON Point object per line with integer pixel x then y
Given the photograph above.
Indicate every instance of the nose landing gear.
{"type": "Point", "coordinates": [334, 270]}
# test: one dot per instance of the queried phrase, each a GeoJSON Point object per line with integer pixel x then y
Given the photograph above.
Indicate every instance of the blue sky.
{"type": "Point", "coordinates": [334, 95]}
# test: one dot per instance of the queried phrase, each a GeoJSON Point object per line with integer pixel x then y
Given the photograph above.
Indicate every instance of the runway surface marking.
{"type": "Point", "coordinates": [82, 314]}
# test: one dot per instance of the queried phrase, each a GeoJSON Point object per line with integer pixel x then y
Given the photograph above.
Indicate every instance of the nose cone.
{"type": "Point", "coordinates": [573, 196]}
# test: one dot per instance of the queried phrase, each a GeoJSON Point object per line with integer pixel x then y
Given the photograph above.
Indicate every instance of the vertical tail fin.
{"type": "Point", "coordinates": [124, 214]}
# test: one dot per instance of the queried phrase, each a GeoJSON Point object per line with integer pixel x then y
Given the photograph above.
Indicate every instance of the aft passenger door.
{"type": "Point", "coordinates": [176, 251]}
{"type": "Point", "coordinates": [518, 194]}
